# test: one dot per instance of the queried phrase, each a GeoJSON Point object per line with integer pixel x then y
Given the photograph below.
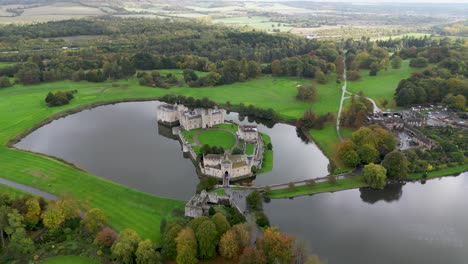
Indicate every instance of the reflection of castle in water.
{"type": "Point", "coordinates": [391, 193]}
{"type": "Point", "coordinates": [166, 132]}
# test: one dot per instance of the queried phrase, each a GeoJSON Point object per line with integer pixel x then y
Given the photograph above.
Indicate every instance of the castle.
{"type": "Point", "coordinates": [189, 119]}
{"type": "Point", "coordinates": [221, 166]}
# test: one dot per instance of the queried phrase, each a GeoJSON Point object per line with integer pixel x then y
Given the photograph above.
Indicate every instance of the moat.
{"type": "Point", "coordinates": [125, 144]}
{"type": "Point", "coordinates": [411, 223]}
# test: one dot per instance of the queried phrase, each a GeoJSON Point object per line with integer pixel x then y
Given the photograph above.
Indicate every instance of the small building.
{"type": "Point", "coordinates": [248, 133]}
{"type": "Point", "coordinates": [201, 203]}
{"type": "Point", "coordinates": [397, 120]}
{"type": "Point", "coordinates": [220, 166]}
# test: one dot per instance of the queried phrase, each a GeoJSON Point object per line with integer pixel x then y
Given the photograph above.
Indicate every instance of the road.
{"type": "Point", "coordinates": [28, 189]}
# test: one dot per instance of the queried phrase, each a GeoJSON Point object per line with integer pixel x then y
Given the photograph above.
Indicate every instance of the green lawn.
{"type": "Point", "coordinates": [12, 192]}
{"type": "Point", "coordinates": [440, 173]}
{"type": "Point", "coordinates": [384, 84]}
{"type": "Point", "coordinates": [268, 158]}
{"type": "Point", "coordinates": [69, 260]}
{"type": "Point", "coordinates": [344, 184]}
{"type": "Point", "coordinates": [4, 64]}
{"type": "Point", "coordinates": [217, 138]}
{"type": "Point", "coordinates": [249, 149]}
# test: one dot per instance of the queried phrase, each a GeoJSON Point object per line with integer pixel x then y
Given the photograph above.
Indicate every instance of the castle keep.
{"type": "Point", "coordinates": [189, 119]}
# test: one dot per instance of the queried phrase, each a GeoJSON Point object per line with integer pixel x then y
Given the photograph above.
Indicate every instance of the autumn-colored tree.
{"type": "Point", "coordinates": [33, 212]}
{"type": "Point", "coordinates": [243, 234]}
{"type": "Point", "coordinates": [306, 92]}
{"type": "Point", "coordinates": [94, 220]}
{"type": "Point", "coordinates": [146, 254]}
{"type": "Point", "coordinates": [375, 175]}
{"type": "Point", "coordinates": [251, 255]}
{"type": "Point", "coordinates": [222, 224]}
{"type": "Point", "coordinates": [105, 238]}
{"type": "Point", "coordinates": [71, 209]}
{"type": "Point", "coordinates": [229, 245]}
{"type": "Point", "coordinates": [276, 246]}
{"type": "Point", "coordinates": [186, 247]}
{"type": "Point", "coordinates": [276, 68]}
{"type": "Point", "coordinates": [169, 250]}
{"type": "Point", "coordinates": [207, 239]}
{"type": "Point", "coordinates": [53, 218]}
{"type": "Point", "coordinates": [125, 246]}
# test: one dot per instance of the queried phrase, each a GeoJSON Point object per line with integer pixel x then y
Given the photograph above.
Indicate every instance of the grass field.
{"type": "Point", "coordinates": [218, 138]}
{"type": "Point", "coordinates": [249, 149]}
{"type": "Point", "coordinates": [350, 183]}
{"type": "Point", "coordinates": [268, 158]}
{"type": "Point", "coordinates": [257, 22]}
{"type": "Point", "coordinates": [69, 260]}
{"type": "Point", "coordinates": [415, 35]}
{"type": "Point", "coordinates": [12, 192]}
{"type": "Point", "coordinates": [384, 84]}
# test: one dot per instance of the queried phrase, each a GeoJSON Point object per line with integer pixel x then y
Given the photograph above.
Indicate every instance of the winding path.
{"type": "Point", "coordinates": [28, 189]}
{"type": "Point", "coordinates": [345, 92]}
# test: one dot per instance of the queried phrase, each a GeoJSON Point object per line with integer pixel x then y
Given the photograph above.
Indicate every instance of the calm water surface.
{"type": "Point", "coordinates": [124, 143]}
{"type": "Point", "coordinates": [411, 223]}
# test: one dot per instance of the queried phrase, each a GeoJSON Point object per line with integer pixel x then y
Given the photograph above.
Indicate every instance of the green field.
{"type": "Point", "coordinates": [218, 138]}
{"type": "Point", "coordinates": [414, 35]}
{"type": "Point", "coordinates": [249, 149]}
{"type": "Point", "coordinates": [384, 84]}
{"type": "Point", "coordinates": [268, 158]}
{"type": "Point", "coordinates": [344, 184]}
{"type": "Point", "coordinates": [69, 260]}
{"type": "Point", "coordinates": [12, 192]}
{"type": "Point", "coordinates": [257, 22]}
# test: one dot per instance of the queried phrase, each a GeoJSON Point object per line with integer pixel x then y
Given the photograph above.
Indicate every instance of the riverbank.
{"type": "Point", "coordinates": [357, 182]}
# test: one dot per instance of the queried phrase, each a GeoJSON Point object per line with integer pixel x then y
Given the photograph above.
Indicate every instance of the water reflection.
{"type": "Point", "coordinates": [392, 192]}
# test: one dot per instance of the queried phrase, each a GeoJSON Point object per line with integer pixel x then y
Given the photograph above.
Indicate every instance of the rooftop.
{"type": "Point", "coordinates": [248, 128]}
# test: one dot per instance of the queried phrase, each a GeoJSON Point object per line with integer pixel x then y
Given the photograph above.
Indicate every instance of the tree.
{"type": "Point", "coordinates": [71, 208]}
{"type": "Point", "coordinates": [222, 224]}
{"type": "Point", "coordinates": [229, 246]}
{"type": "Point", "coordinates": [33, 212]}
{"type": "Point", "coordinates": [396, 62]}
{"type": "Point", "coordinates": [306, 92]}
{"type": "Point", "coordinates": [300, 251]}
{"type": "Point", "coordinates": [15, 221]}
{"type": "Point", "coordinates": [277, 246]}
{"type": "Point", "coordinates": [20, 243]}
{"type": "Point", "coordinates": [94, 220]}
{"type": "Point", "coordinates": [29, 73]}
{"type": "Point", "coordinates": [367, 153]}
{"type": "Point", "coordinates": [419, 62]}
{"type": "Point", "coordinates": [186, 247]}
{"type": "Point", "coordinates": [347, 153]}
{"type": "Point", "coordinates": [5, 82]}
{"type": "Point", "coordinates": [53, 218]}
{"type": "Point", "coordinates": [253, 69]}
{"type": "Point", "coordinates": [262, 220]}
{"type": "Point", "coordinates": [105, 238]}
{"type": "Point", "coordinates": [4, 211]}
{"type": "Point", "coordinates": [254, 201]}
{"type": "Point", "coordinates": [397, 165]}
{"type": "Point", "coordinates": [375, 175]}
{"type": "Point", "coordinates": [169, 250]}
{"type": "Point", "coordinates": [207, 239]}
{"type": "Point", "coordinates": [146, 254]}
{"type": "Point", "coordinates": [125, 246]}
{"type": "Point", "coordinates": [243, 234]}
{"type": "Point", "coordinates": [251, 255]}
{"type": "Point", "coordinates": [276, 68]}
